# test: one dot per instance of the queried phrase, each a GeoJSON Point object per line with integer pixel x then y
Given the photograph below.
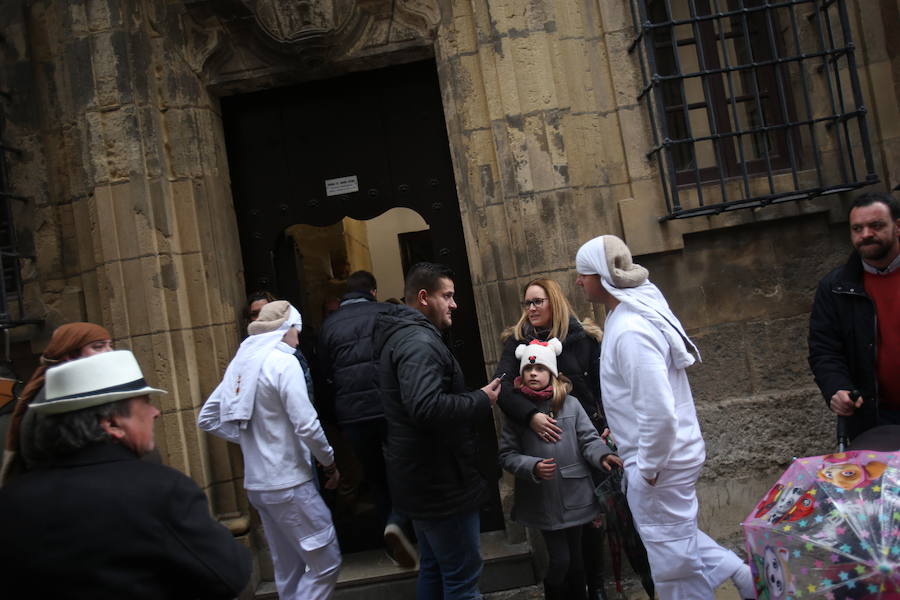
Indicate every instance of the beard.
{"type": "Point", "coordinates": [874, 250]}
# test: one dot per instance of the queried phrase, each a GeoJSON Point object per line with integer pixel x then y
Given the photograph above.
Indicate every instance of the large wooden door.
{"type": "Point", "coordinates": [385, 128]}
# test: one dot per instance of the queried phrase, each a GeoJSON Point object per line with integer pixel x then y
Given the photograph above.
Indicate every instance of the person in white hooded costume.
{"type": "Point", "coordinates": [650, 411]}
{"type": "Point", "coordinates": [262, 405]}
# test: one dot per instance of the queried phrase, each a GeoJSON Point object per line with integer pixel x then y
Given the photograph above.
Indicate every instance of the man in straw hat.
{"type": "Point", "coordinates": [650, 410]}
{"type": "Point", "coordinates": [97, 522]}
{"type": "Point", "coordinates": [262, 404]}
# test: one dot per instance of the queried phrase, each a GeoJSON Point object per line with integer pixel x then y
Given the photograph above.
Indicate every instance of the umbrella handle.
{"type": "Point", "coordinates": [842, 433]}
{"type": "Point", "coordinates": [842, 438]}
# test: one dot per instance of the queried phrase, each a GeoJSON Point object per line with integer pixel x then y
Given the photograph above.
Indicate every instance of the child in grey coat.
{"type": "Point", "coordinates": [554, 491]}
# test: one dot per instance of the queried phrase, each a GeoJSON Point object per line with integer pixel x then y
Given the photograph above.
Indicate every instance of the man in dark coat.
{"type": "Point", "coordinates": [854, 327]}
{"type": "Point", "coordinates": [351, 376]}
{"type": "Point", "coordinates": [99, 523]}
{"type": "Point", "coordinates": [431, 443]}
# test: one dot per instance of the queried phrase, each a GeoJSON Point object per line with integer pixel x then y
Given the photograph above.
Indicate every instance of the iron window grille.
{"type": "Point", "coordinates": [10, 279]}
{"type": "Point", "coordinates": [10, 274]}
{"type": "Point", "coordinates": [751, 102]}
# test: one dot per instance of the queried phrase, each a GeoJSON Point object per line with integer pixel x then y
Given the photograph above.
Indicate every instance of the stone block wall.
{"type": "Point", "coordinates": [549, 144]}
{"type": "Point", "coordinates": [129, 214]}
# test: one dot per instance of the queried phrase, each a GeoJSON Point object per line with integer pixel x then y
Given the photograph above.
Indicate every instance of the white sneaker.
{"type": "Point", "coordinates": [399, 548]}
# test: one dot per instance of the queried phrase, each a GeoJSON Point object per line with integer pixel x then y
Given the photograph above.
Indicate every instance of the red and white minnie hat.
{"type": "Point", "coordinates": [539, 353]}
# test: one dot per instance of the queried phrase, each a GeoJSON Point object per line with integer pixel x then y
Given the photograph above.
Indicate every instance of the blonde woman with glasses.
{"type": "Point", "coordinates": [547, 314]}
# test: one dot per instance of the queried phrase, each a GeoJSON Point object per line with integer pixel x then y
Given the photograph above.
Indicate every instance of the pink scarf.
{"type": "Point", "coordinates": [535, 395]}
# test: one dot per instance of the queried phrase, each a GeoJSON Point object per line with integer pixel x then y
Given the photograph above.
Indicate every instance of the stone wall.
{"type": "Point", "coordinates": [129, 213]}
{"type": "Point", "coordinates": [549, 143]}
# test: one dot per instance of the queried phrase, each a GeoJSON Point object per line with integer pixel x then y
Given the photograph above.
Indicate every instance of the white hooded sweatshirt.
{"type": "Point", "coordinates": [643, 357]}
{"type": "Point", "coordinates": [262, 404]}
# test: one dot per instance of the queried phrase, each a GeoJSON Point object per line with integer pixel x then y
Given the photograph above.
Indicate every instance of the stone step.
{"type": "Point", "coordinates": [372, 576]}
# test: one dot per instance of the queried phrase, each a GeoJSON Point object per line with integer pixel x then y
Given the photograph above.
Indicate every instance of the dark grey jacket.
{"type": "Point", "coordinates": [568, 499]}
{"type": "Point", "coordinates": [430, 452]}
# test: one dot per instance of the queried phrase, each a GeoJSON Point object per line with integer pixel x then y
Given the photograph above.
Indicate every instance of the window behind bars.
{"type": "Point", "coordinates": [751, 102]}
{"type": "Point", "coordinates": [10, 279]}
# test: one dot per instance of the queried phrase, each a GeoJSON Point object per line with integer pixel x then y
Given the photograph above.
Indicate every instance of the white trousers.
{"type": "Point", "coordinates": [302, 540]}
{"type": "Point", "coordinates": [686, 564]}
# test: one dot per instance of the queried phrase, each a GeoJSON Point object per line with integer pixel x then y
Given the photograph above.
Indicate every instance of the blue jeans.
{"type": "Point", "coordinates": [449, 557]}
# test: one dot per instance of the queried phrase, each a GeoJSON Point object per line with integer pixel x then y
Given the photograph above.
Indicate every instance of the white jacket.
{"type": "Point", "coordinates": [283, 430]}
{"type": "Point", "coordinates": [647, 399]}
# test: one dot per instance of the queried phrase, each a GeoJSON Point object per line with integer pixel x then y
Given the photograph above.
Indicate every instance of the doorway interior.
{"type": "Point", "coordinates": [354, 173]}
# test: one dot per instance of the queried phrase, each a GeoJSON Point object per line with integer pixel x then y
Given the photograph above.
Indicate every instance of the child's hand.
{"type": "Point", "coordinates": [605, 434]}
{"type": "Point", "coordinates": [611, 460]}
{"type": "Point", "coordinates": [545, 469]}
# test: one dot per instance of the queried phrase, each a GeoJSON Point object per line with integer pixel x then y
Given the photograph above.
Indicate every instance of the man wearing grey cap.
{"type": "Point", "coordinates": [98, 523]}
{"type": "Point", "coordinates": [262, 404]}
{"type": "Point", "coordinates": [650, 411]}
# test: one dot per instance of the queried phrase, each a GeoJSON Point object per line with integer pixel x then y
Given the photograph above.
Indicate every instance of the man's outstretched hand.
{"type": "Point", "coordinates": [492, 390]}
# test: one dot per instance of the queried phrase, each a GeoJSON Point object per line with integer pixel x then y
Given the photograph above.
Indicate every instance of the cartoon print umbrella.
{"type": "Point", "coordinates": [829, 528]}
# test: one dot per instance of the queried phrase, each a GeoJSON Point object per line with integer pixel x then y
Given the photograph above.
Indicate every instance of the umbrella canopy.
{"type": "Point", "coordinates": [829, 528]}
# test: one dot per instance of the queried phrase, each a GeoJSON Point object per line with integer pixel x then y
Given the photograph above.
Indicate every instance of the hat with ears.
{"type": "Point", "coordinates": [92, 381]}
{"type": "Point", "coordinates": [539, 353]}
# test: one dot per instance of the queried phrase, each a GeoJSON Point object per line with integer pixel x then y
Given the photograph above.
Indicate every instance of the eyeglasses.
{"type": "Point", "coordinates": [537, 302]}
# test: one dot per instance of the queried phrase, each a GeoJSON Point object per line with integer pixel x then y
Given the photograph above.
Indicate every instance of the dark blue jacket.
{"type": "Point", "coordinates": [345, 353]}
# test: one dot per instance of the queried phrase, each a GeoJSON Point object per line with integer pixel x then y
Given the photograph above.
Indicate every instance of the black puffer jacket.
{"type": "Point", "coordinates": [842, 341]}
{"type": "Point", "coordinates": [430, 451]}
{"type": "Point", "coordinates": [345, 353]}
{"type": "Point", "coordinates": [579, 362]}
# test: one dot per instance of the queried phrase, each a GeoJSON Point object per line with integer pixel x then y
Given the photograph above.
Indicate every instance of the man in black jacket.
{"type": "Point", "coordinates": [431, 443]}
{"type": "Point", "coordinates": [351, 376]}
{"type": "Point", "coordinates": [854, 328]}
{"type": "Point", "coordinates": [98, 523]}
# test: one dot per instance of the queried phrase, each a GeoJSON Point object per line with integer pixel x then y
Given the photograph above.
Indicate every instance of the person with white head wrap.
{"type": "Point", "coordinates": [262, 404]}
{"type": "Point", "coordinates": [650, 411]}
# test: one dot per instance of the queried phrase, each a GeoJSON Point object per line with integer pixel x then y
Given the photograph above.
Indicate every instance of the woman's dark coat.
{"type": "Point", "coordinates": [579, 362]}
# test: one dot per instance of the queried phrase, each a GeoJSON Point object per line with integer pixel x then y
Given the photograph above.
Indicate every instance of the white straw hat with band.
{"type": "Point", "coordinates": [92, 381]}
